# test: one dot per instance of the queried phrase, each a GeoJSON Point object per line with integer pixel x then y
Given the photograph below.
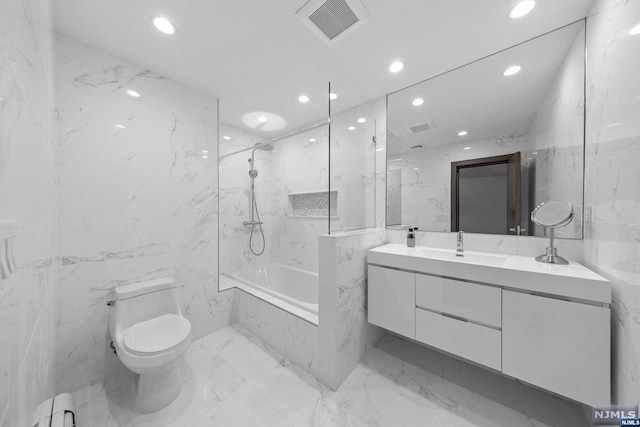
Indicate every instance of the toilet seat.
{"type": "Point", "coordinates": [157, 335]}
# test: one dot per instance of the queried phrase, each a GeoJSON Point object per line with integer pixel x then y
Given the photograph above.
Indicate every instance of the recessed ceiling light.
{"type": "Point", "coordinates": [312, 140]}
{"type": "Point", "coordinates": [133, 93]}
{"type": "Point", "coordinates": [379, 149]}
{"type": "Point", "coordinates": [351, 128]}
{"type": "Point", "coordinates": [521, 9]}
{"type": "Point", "coordinates": [262, 119]}
{"type": "Point", "coordinates": [635, 30]}
{"type": "Point", "coordinates": [418, 101]}
{"type": "Point", "coordinates": [362, 120]}
{"type": "Point", "coordinates": [120, 126]}
{"type": "Point", "coordinates": [205, 151]}
{"type": "Point", "coordinates": [333, 96]}
{"type": "Point", "coordinates": [514, 69]}
{"type": "Point", "coordinates": [205, 157]}
{"type": "Point", "coordinates": [303, 98]}
{"type": "Point", "coordinates": [467, 148]}
{"type": "Point", "coordinates": [462, 133]}
{"type": "Point", "coordinates": [226, 137]}
{"type": "Point", "coordinates": [397, 66]}
{"type": "Point", "coordinates": [164, 25]}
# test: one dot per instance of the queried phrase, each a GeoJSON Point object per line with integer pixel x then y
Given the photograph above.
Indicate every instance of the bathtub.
{"type": "Point", "coordinates": [292, 285]}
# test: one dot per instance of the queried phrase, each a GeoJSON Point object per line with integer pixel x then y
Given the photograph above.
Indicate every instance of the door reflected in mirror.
{"type": "Point", "coordinates": [485, 195]}
{"type": "Point", "coordinates": [485, 147]}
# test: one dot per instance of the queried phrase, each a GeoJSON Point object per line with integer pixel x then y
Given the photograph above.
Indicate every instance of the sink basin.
{"type": "Point", "coordinates": [468, 257]}
{"type": "Point", "coordinates": [511, 271]}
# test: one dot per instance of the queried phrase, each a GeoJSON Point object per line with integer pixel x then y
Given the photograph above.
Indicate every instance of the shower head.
{"type": "Point", "coordinates": [264, 147]}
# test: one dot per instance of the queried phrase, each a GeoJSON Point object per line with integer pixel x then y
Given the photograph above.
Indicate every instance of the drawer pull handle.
{"type": "Point", "coordinates": [454, 317]}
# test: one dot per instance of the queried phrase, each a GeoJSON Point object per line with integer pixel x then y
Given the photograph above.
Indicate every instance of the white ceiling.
{"type": "Point", "coordinates": [256, 55]}
{"type": "Point", "coordinates": [477, 98]}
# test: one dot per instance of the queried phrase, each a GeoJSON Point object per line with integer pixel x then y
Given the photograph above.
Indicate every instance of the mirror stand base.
{"type": "Point", "coordinates": [552, 257]}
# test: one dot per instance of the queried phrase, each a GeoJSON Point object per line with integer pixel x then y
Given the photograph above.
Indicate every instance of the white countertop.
{"type": "Point", "coordinates": [518, 272]}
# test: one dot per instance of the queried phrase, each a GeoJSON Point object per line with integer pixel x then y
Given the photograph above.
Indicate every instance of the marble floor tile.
{"type": "Point", "coordinates": [231, 378]}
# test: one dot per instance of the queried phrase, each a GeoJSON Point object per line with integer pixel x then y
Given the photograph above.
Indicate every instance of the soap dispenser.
{"type": "Point", "coordinates": [411, 237]}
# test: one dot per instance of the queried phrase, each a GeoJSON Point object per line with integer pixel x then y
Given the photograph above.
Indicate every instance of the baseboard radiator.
{"type": "Point", "coordinates": [58, 411]}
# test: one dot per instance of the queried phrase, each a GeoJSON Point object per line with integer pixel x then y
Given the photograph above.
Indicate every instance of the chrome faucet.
{"type": "Point", "coordinates": [460, 244]}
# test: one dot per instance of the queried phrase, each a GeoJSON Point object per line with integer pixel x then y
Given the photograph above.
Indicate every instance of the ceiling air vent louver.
{"type": "Point", "coordinates": [422, 127]}
{"type": "Point", "coordinates": [332, 20]}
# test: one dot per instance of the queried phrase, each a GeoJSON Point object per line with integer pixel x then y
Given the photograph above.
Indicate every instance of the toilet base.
{"type": "Point", "coordinates": [153, 392]}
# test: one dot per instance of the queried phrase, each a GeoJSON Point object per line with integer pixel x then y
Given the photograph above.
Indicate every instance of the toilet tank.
{"type": "Point", "coordinates": [137, 302]}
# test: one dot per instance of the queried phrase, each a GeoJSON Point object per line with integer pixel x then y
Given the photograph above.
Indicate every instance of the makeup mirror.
{"type": "Point", "coordinates": [551, 215]}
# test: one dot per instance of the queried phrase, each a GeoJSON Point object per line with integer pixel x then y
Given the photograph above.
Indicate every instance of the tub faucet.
{"type": "Point", "coordinates": [460, 244]}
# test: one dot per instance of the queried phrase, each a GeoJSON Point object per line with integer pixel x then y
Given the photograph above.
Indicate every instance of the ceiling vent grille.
{"type": "Point", "coordinates": [422, 127]}
{"type": "Point", "coordinates": [332, 20]}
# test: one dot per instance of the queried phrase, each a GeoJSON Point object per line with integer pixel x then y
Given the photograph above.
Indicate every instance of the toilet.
{"type": "Point", "coordinates": [150, 336]}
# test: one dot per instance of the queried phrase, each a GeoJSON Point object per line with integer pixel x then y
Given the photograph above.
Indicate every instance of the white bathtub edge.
{"type": "Point", "coordinates": [276, 302]}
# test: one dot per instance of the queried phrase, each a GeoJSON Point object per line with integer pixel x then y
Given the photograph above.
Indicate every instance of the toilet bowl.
{"type": "Point", "coordinates": [150, 336]}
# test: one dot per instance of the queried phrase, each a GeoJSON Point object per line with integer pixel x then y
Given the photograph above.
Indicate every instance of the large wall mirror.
{"type": "Point", "coordinates": [479, 147]}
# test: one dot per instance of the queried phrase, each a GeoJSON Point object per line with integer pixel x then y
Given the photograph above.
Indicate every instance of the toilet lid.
{"type": "Point", "coordinates": [157, 335]}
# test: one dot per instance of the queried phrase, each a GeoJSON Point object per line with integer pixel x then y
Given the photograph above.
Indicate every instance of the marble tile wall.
{"type": "Point", "coordinates": [289, 335]}
{"type": "Point", "coordinates": [557, 141]}
{"type": "Point", "coordinates": [345, 335]}
{"type": "Point", "coordinates": [27, 195]}
{"type": "Point", "coordinates": [235, 202]}
{"type": "Point", "coordinates": [302, 167]}
{"type": "Point", "coordinates": [137, 201]}
{"type": "Point", "coordinates": [301, 162]}
{"type": "Point", "coordinates": [612, 239]}
{"type": "Point", "coordinates": [378, 110]}
{"type": "Point", "coordinates": [353, 168]}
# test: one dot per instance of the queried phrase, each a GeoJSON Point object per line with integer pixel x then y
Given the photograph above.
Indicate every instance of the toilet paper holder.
{"type": "Point", "coordinates": [7, 259]}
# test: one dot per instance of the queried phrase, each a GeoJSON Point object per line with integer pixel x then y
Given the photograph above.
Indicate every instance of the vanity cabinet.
{"type": "Point", "coordinates": [557, 345]}
{"type": "Point", "coordinates": [392, 300]}
{"type": "Point", "coordinates": [557, 342]}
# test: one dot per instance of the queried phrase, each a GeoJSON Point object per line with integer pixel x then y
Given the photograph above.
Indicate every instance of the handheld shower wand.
{"type": "Point", "coordinates": [255, 214]}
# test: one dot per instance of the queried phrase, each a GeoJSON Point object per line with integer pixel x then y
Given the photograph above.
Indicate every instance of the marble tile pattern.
{"type": "Point", "coordinates": [27, 195]}
{"type": "Point", "coordinates": [557, 139]}
{"type": "Point", "coordinates": [353, 168]}
{"type": "Point", "coordinates": [136, 201]}
{"type": "Point", "coordinates": [235, 200]}
{"type": "Point", "coordinates": [612, 239]}
{"type": "Point", "coordinates": [551, 151]}
{"type": "Point", "coordinates": [300, 165]}
{"type": "Point", "coordinates": [345, 334]}
{"type": "Point", "coordinates": [378, 110]}
{"type": "Point", "coordinates": [232, 378]}
{"type": "Point", "coordinates": [280, 330]}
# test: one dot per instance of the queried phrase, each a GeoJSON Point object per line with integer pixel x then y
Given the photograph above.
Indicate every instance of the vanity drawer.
{"type": "Point", "coordinates": [477, 343]}
{"type": "Point", "coordinates": [478, 303]}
